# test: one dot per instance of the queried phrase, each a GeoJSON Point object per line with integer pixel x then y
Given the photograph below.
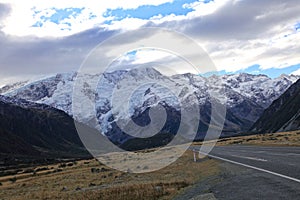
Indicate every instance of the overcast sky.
{"type": "Point", "coordinates": [47, 37]}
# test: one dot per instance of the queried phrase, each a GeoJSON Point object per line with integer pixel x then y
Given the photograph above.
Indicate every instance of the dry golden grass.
{"type": "Point", "coordinates": [78, 182]}
{"type": "Point", "coordinates": [291, 138]}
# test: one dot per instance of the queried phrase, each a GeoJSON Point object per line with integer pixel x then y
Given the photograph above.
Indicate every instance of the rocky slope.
{"type": "Point", "coordinates": [283, 114]}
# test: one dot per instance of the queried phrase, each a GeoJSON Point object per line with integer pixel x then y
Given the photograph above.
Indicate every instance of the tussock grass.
{"type": "Point", "coordinates": [79, 182]}
{"type": "Point", "coordinates": [136, 191]}
{"type": "Point", "coordinates": [291, 138]}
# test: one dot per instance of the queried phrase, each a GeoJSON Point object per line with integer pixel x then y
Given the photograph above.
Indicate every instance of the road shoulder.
{"type": "Point", "coordinates": [237, 182]}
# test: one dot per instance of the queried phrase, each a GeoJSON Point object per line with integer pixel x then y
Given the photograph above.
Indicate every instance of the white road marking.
{"type": "Point", "coordinates": [251, 158]}
{"type": "Point", "coordinates": [256, 168]}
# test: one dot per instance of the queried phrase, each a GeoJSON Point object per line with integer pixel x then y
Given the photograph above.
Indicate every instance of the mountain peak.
{"type": "Point", "coordinates": [145, 71]}
{"type": "Point", "coordinates": [247, 94]}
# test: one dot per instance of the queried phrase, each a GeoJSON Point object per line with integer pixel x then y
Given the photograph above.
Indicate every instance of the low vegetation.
{"type": "Point", "coordinates": [291, 138]}
{"type": "Point", "coordinates": [88, 179]}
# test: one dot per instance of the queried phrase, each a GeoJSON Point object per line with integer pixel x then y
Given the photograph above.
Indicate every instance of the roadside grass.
{"type": "Point", "coordinates": [89, 179]}
{"type": "Point", "coordinates": [291, 138]}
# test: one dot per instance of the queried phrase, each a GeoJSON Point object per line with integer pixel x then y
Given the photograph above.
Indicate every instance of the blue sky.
{"type": "Point", "coordinates": [255, 69]}
{"type": "Point", "coordinates": [148, 11]}
{"type": "Point", "coordinates": [58, 16]}
{"type": "Point", "coordinates": [297, 26]}
{"type": "Point", "coordinates": [176, 7]}
{"type": "Point", "coordinates": [273, 73]}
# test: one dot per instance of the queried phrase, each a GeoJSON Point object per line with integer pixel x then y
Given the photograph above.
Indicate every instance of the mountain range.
{"type": "Point", "coordinates": [246, 95]}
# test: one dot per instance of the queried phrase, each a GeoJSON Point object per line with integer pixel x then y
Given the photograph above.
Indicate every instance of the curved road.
{"type": "Point", "coordinates": [251, 172]}
{"type": "Point", "coordinates": [282, 160]}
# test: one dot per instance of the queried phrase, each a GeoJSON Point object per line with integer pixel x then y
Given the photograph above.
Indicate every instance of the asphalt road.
{"type": "Point", "coordinates": [282, 160]}
{"type": "Point", "coordinates": [252, 172]}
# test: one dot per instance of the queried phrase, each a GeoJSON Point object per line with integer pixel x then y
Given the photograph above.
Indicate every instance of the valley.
{"type": "Point", "coordinates": [150, 100]}
{"type": "Point", "coordinates": [43, 157]}
{"type": "Point", "coordinates": [89, 179]}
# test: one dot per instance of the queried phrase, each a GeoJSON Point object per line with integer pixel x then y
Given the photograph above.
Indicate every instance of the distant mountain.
{"type": "Point", "coordinates": [283, 114]}
{"type": "Point", "coordinates": [12, 87]}
{"type": "Point", "coordinates": [36, 130]}
{"type": "Point", "coordinates": [247, 96]}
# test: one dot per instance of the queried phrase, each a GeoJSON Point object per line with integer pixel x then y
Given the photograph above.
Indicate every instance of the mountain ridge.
{"type": "Point", "coordinates": [247, 95]}
{"type": "Point", "coordinates": [37, 130]}
{"type": "Point", "coordinates": [283, 114]}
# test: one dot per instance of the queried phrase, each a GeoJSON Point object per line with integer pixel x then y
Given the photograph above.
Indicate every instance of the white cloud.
{"type": "Point", "coordinates": [126, 24]}
{"type": "Point", "coordinates": [275, 52]}
{"type": "Point", "coordinates": [236, 33]}
{"type": "Point", "coordinates": [147, 56]}
{"type": "Point", "coordinates": [297, 72]}
{"type": "Point", "coordinates": [22, 14]}
{"type": "Point", "coordinates": [202, 9]}
{"type": "Point", "coordinates": [21, 17]}
{"type": "Point", "coordinates": [244, 33]}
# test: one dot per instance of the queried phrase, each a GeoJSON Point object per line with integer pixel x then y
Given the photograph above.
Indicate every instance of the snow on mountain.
{"type": "Point", "coordinates": [131, 93]}
{"type": "Point", "coordinates": [12, 87]}
{"type": "Point", "coordinates": [23, 103]}
{"type": "Point", "coordinates": [283, 114]}
{"type": "Point", "coordinates": [55, 91]}
{"type": "Point", "coordinates": [259, 88]}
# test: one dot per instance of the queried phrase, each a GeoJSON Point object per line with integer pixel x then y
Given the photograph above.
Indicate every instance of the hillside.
{"type": "Point", "coordinates": [36, 131]}
{"type": "Point", "coordinates": [283, 114]}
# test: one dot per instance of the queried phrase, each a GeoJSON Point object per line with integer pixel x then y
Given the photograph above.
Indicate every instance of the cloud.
{"type": "Point", "coordinates": [297, 72]}
{"type": "Point", "coordinates": [240, 34]}
{"type": "Point", "coordinates": [35, 56]}
{"type": "Point", "coordinates": [235, 33]}
{"type": "Point", "coordinates": [5, 9]}
{"type": "Point", "coordinates": [245, 20]}
{"type": "Point", "coordinates": [28, 12]}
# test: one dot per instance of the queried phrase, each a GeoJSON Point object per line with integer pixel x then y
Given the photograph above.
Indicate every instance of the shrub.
{"type": "Point", "coordinates": [13, 179]}
{"type": "Point", "coordinates": [70, 164]}
{"type": "Point", "coordinates": [62, 165]}
{"type": "Point", "coordinates": [57, 170]}
{"type": "Point", "coordinates": [28, 170]}
{"type": "Point", "coordinates": [92, 185]}
{"type": "Point", "coordinates": [95, 170]}
{"type": "Point", "coordinates": [110, 174]}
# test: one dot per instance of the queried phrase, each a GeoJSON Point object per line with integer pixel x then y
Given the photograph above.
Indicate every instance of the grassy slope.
{"type": "Point", "coordinates": [291, 138]}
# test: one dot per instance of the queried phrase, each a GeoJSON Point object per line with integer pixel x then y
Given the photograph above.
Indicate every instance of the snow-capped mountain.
{"type": "Point", "coordinates": [246, 95]}
{"type": "Point", "coordinates": [12, 87]}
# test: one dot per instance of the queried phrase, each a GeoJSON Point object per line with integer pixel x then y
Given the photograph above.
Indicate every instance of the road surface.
{"type": "Point", "coordinates": [252, 172]}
